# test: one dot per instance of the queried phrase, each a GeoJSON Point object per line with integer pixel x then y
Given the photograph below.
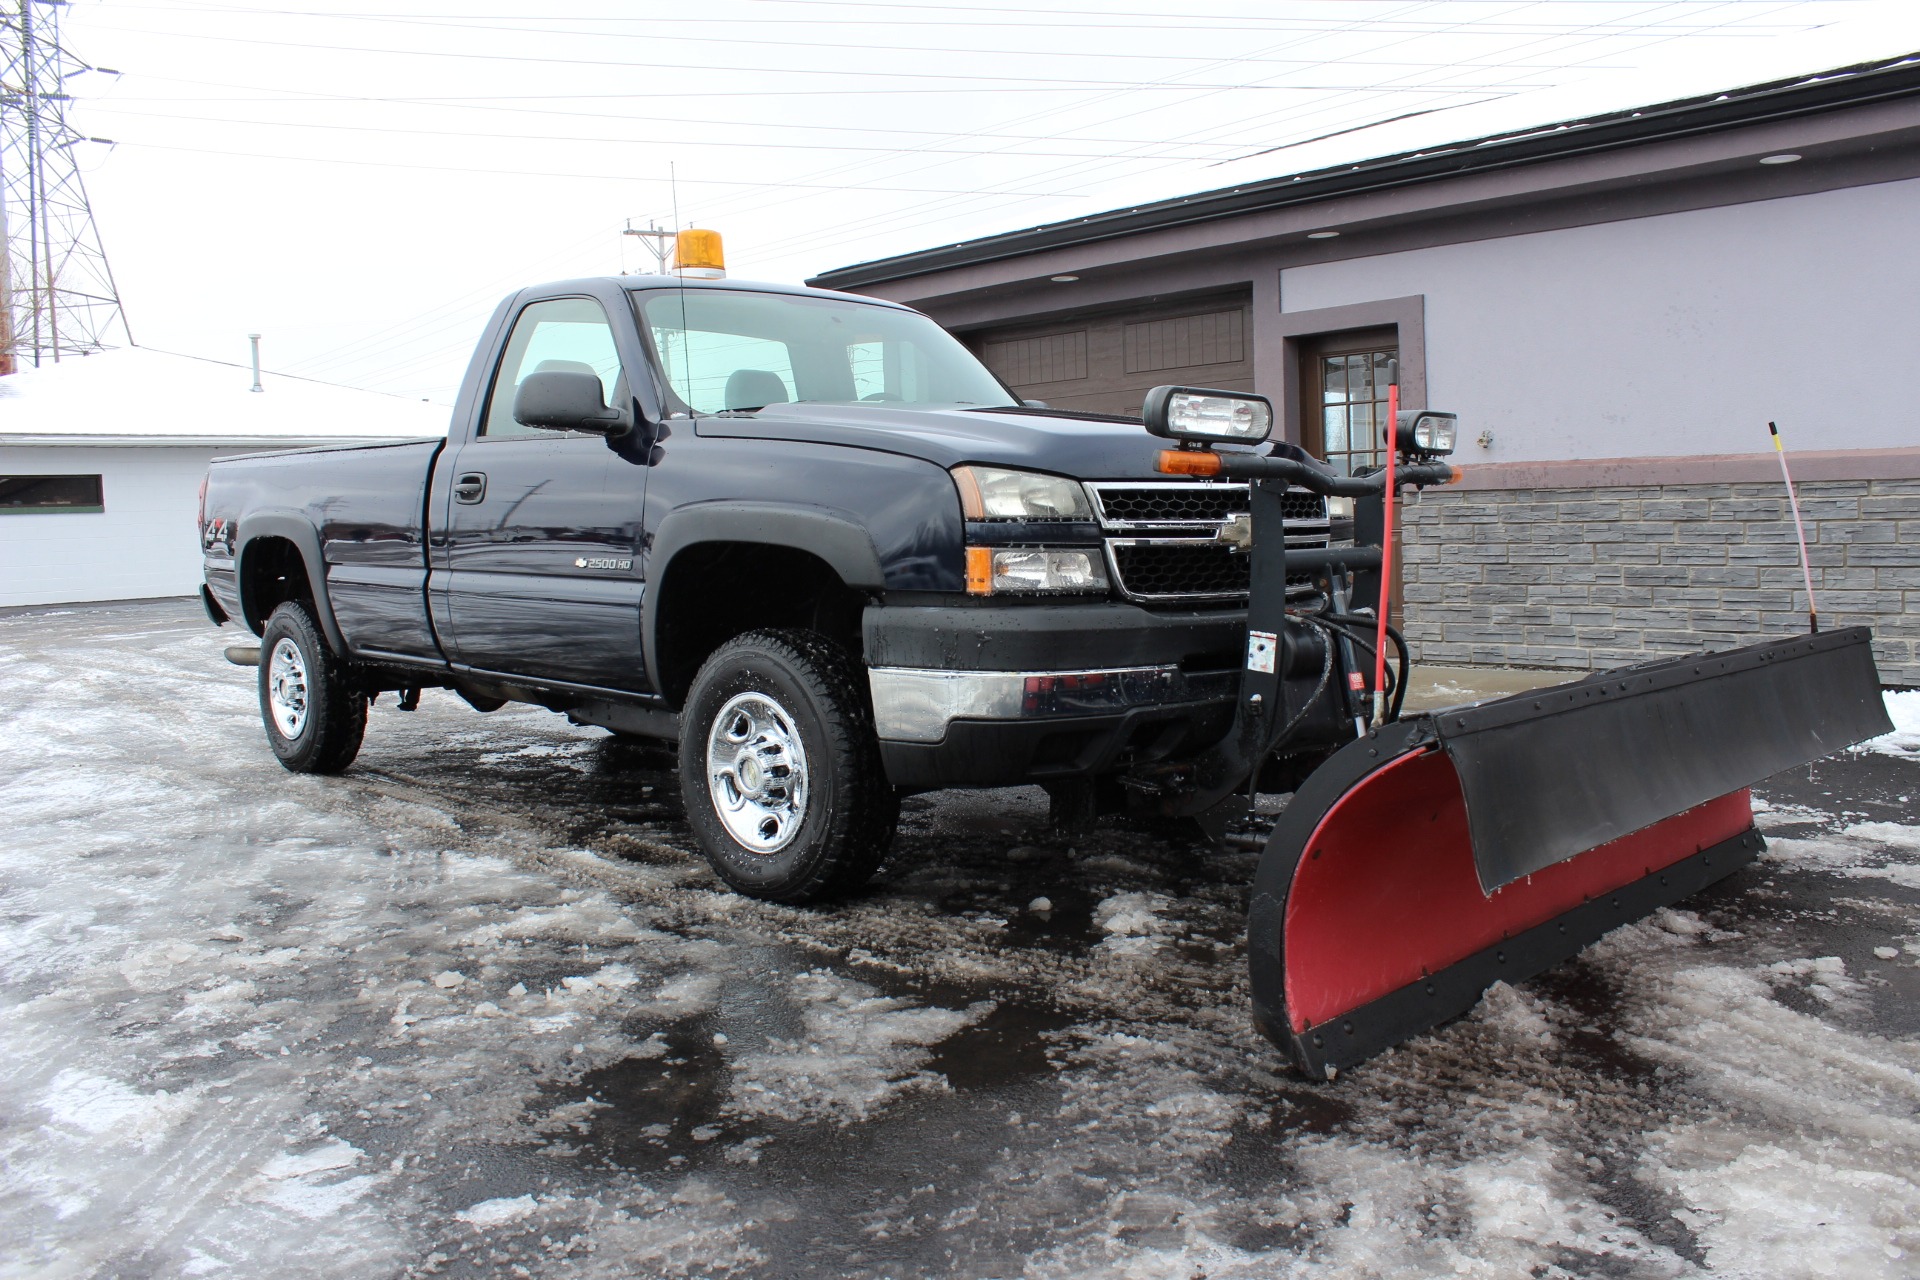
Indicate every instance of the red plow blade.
{"type": "Point", "coordinates": [1370, 923]}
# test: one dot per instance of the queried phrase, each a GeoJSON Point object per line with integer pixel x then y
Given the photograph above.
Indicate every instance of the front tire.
{"type": "Point", "coordinates": [780, 769]}
{"type": "Point", "coordinates": [314, 714]}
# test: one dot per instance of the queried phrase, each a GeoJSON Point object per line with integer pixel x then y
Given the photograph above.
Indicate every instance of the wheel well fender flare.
{"type": "Point", "coordinates": [297, 529]}
{"type": "Point", "coordinates": [834, 535]}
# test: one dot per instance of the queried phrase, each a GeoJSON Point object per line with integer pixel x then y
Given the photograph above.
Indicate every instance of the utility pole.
{"type": "Point", "coordinates": [657, 242]}
{"type": "Point", "coordinates": [57, 292]}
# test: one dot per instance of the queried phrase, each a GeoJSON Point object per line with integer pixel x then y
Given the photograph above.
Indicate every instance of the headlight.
{"type": "Point", "coordinates": [1426, 431]}
{"type": "Point", "coordinates": [988, 493]}
{"type": "Point", "coordinates": [1193, 413]}
{"type": "Point", "coordinates": [1016, 570]}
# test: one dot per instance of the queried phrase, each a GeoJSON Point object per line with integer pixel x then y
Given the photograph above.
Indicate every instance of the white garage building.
{"type": "Point", "coordinates": [101, 459]}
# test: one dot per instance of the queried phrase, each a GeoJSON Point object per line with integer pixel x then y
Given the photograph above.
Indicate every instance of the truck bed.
{"type": "Point", "coordinates": [368, 505]}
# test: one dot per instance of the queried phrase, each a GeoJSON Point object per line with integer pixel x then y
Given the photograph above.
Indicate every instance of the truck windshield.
{"type": "Point", "coordinates": [727, 349]}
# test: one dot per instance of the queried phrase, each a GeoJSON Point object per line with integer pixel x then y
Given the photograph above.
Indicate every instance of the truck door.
{"type": "Point", "coordinates": [543, 530]}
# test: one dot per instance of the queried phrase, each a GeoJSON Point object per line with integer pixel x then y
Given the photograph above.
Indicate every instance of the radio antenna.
{"type": "Point", "coordinates": [686, 354]}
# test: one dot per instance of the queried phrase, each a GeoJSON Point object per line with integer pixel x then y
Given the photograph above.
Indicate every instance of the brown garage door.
{"type": "Point", "coordinates": [1106, 363]}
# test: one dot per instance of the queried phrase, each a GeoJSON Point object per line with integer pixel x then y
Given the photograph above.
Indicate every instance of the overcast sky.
{"type": "Point", "coordinates": [362, 183]}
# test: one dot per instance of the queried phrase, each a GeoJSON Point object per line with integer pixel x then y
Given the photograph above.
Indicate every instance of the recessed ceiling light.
{"type": "Point", "coordinates": [1063, 279]}
{"type": "Point", "coordinates": [1322, 235]}
{"type": "Point", "coordinates": [1785, 157]}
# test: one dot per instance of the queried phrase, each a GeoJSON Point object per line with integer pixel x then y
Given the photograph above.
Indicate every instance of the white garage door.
{"type": "Point", "coordinates": [57, 547]}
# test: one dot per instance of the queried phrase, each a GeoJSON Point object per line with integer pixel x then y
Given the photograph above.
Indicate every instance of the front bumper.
{"type": "Point", "coordinates": [997, 696]}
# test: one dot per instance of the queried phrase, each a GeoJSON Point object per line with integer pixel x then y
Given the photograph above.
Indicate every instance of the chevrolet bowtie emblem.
{"type": "Point", "coordinates": [1237, 532]}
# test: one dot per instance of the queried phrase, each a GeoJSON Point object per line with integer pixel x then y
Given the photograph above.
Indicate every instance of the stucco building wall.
{"type": "Point", "coordinates": [1679, 334]}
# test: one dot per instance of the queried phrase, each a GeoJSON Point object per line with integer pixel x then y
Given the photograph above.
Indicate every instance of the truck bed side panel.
{"type": "Point", "coordinates": [365, 507]}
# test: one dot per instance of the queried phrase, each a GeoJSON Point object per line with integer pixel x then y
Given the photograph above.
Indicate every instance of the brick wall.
{"type": "Point", "coordinates": [1594, 578]}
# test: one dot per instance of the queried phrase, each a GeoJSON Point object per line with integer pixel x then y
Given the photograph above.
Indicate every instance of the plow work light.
{"type": "Point", "coordinates": [1207, 417]}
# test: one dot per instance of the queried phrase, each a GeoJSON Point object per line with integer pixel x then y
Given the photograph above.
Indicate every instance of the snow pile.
{"type": "Point", "coordinates": [307, 1183]}
{"type": "Point", "coordinates": [1903, 708]}
{"type": "Point", "coordinates": [1133, 922]}
{"type": "Point", "coordinates": [694, 1230]}
{"type": "Point", "coordinates": [1514, 1013]}
{"type": "Point", "coordinates": [493, 1213]}
{"type": "Point", "coordinates": [101, 1107]}
{"type": "Point", "coordinates": [859, 1051]}
{"type": "Point", "coordinates": [1865, 850]}
{"type": "Point", "coordinates": [1772, 1212]}
{"type": "Point", "coordinates": [1808, 1169]}
{"type": "Point", "coordinates": [1384, 1212]}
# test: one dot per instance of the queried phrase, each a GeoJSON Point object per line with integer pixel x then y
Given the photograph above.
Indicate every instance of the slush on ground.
{"type": "Point", "coordinates": [478, 1007]}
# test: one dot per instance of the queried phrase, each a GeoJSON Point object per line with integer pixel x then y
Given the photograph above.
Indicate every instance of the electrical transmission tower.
{"type": "Point", "coordinates": [57, 296]}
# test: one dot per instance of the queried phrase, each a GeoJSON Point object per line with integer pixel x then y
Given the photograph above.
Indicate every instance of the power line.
{"type": "Point", "coordinates": [1073, 19]}
{"type": "Point", "coordinates": [534, 137]}
{"type": "Point", "coordinates": [1055, 83]}
{"type": "Point", "coordinates": [734, 38]}
{"type": "Point", "coordinates": [898, 222]}
{"type": "Point", "coordinates": [584, 177]}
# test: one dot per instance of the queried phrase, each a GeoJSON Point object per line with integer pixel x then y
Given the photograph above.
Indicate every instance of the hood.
{"type": "Point", "coordinates": [1035, 440]}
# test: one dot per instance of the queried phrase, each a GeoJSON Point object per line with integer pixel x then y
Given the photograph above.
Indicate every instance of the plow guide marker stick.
{"type": "Point", "coordinates": [1799, 530]}
{"type": "Point", "coordinates": [1386, 550]}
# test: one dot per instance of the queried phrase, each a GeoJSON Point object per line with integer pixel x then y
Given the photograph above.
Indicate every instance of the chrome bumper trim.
{"type": "Point", "coordinates": [914, 705]}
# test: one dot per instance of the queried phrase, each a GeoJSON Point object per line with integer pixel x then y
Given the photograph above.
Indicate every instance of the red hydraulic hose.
{"type": "Point", "coordinates": [1386, 557]}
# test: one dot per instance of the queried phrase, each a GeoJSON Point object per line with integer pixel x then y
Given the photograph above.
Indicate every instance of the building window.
{"type": "Point", "coordinates": [1345, 411]}
{"type": "Point", "coordinates": [50, 495]}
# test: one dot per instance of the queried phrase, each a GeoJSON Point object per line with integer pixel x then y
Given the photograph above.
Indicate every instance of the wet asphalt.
{"type": "Point", "coordinates": [478, 1008]}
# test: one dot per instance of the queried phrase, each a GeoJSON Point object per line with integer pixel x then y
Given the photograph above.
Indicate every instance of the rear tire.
{"type": "Point", "coordinates": [315, 715]}
{"type": "Point", "coordinates": [780, 769]}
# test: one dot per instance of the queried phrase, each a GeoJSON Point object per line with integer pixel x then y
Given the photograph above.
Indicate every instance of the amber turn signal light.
{"type": "Point", "coordinates": [1187, 462]}
{"type": "Point", "coordinates": [979, 571]}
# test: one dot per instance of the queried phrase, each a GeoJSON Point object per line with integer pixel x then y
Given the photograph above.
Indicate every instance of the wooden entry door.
{"type": "Point", "coordinates": [1343, 411]}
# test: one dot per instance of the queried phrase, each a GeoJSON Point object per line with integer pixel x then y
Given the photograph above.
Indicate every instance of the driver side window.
{"type": "Point", "coordinates": [569, 334]}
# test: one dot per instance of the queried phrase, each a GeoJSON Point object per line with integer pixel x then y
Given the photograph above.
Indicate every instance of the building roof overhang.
{"type": "Point", "coordinates": [1882, 83]}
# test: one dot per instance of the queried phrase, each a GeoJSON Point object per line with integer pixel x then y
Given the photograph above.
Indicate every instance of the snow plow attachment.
{"type": "Point", "coordinates": [1445, 852]}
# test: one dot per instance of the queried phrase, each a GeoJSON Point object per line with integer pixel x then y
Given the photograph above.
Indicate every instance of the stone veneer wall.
{"type": "Point", "coordinates": [1595, 578]}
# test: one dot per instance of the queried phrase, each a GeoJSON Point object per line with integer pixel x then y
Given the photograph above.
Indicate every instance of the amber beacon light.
{"type": "Point", "coordinates": [697, 255]}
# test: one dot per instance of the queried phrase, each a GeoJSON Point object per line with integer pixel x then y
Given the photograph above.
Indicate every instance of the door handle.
{"type": "Point", "coordinates": [470, 487]}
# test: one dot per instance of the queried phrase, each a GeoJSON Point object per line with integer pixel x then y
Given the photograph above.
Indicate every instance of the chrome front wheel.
{"type": "Point", "coordinates": [781, 770]}
{"type": "Point", "coordinates": [757, 773]}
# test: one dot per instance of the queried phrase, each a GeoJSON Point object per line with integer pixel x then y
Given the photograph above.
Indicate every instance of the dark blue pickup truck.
{"type": "Point", "coordinates": [805, 535]}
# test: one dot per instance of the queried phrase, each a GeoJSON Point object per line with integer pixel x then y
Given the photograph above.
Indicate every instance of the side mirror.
{"type": "Point", "coordinates": [563, 400]}
{"type": "Point", "coordinates": [1426, 431]}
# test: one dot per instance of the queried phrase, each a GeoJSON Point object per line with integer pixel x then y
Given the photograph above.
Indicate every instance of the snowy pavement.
{"type": "Point", "coordinates": [476, 1008]}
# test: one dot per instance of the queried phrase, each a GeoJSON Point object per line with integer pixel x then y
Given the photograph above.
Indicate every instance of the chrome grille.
{"type": "Point", "coordinates": [1190, 566]}
{"type": "Point", "coordinates": [1178, 569]}
{"type": "Point", "coordinates": [1176, 504]}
